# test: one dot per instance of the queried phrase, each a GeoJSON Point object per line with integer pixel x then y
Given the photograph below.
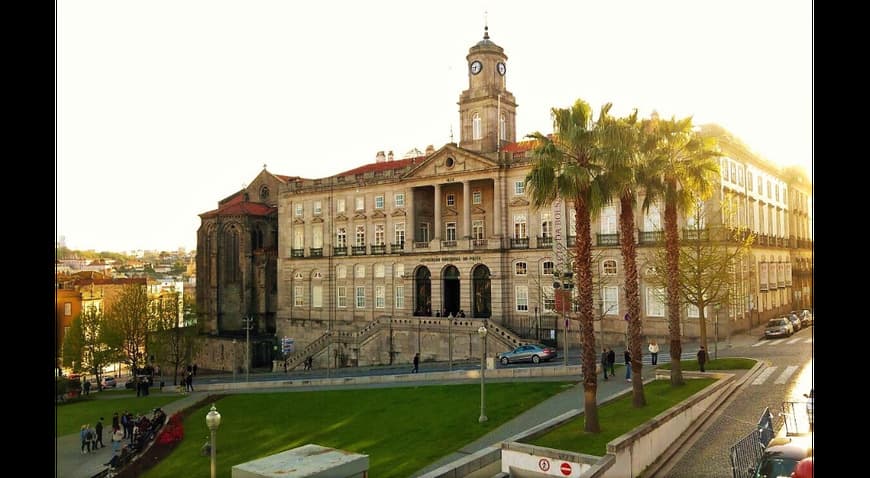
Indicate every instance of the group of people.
{"type": "Point", "coordinates": [608, 359]}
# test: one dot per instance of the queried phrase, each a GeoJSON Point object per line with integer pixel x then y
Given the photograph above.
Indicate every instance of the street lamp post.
{"type": "Point", "coordinates": [247, 321]}
{"type": "Point", "coordinates": [716, 333]}
{"type": "Point", "coordinates": [235, 362]}
{"type": "Point", "coordinates": [213, 421]}
{"type": "Point", "coordinates": [482, 332]}
{"type": "Point", "coordinates": [450, 343]}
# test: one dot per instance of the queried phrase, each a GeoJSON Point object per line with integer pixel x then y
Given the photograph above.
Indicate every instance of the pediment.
{"type": "Point", "coordinates": [298, 221]}
{"type": "Point", "coordinates": [451, 160]}
{"type": "Point", "coordinates": [478, 210]}
{"type": "Point", "coordinates": [359, 215]}
{"type": "Point", "coordinates": [317, 220]}
{"type": "Point", "coordinates": [379, 214]}
{"type": "Point", "coordinates": [341, 217]}
{"type": "Point", "coordinates": [449, 211]}
{"type": "Point", "coordinates": [398, 212]}
{"type": "Point", "coordinates": [519, 201]}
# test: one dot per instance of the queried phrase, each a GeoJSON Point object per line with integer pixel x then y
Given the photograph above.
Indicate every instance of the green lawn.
{"type": "Point", "coordinates": [70, 417]}
{"type": "Point", "coordinates": [618, 417]}
{"type": "Point", "coordinates": [729, 363]}
{"type": "Point", "coordinates": [401, 429]}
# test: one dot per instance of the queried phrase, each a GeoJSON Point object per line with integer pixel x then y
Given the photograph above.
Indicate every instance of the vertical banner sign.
{"type": "Point", "coordinates": [560, 249]}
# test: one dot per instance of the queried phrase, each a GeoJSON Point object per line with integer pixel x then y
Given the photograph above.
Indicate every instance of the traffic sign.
{"type": "Point", "coordinates": [565, 468]}
{"type": "Point", "coordinates": [544, 464]}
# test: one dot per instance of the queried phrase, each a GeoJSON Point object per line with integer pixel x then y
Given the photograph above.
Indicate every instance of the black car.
{"type": "Point", "coordinates": [780, 458]}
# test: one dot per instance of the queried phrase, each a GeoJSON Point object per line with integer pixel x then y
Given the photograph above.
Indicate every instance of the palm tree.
{"type": "Point", "coordinates": [566, 165]}
{"type": "Point", "coordinates": [619, 140]}
{"type": "Point", "coordinates": [685, 166]}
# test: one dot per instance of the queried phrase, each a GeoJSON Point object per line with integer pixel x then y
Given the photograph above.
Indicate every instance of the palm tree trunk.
{"type": "Point", "coordinates": [583, 273]}
{"type": "Point", "coordinates": [632, 297]}
{"type": "Point", "coordinates": [672, 258]}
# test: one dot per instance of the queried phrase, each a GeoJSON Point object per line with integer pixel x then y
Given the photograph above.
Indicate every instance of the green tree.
{"type": "Point", "coordinates": [684, 166]}
{"type": "Point", "coordinates": [129, 323]}
{"type": "Point", "coordinates": [86, 347]}
{"type": "Point", "coordinates": [566, 165]}
{"type": "Point", "coordinates": [622, 153]}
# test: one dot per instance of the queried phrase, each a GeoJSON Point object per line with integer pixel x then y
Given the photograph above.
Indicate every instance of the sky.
{"type": "Point", "coordinates": [166, 107]}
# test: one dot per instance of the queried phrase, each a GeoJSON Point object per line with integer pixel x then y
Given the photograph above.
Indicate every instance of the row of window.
{"type": "Point", "coordinates": [733, 172]}
{"type": "Point", "coordinates": [341, 299]}
{"type": "Point", "coordinates": [359, 272]}
{"type": "Point", "coordinates": [359, 204]}
{"type": "Point", "coordinates": [521, 268]}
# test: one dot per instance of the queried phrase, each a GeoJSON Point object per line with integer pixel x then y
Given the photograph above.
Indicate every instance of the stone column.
{"type": "Point", "coordinates": [496, 206]}
{"type": "Point", "coordinates": [466, 208]}
{"type": "Point", "coordinates": [437, 218]}
{"type": "Point", "coordinates": [409, 220]}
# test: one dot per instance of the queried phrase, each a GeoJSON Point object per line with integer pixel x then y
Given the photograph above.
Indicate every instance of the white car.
{"type": "Point", "coordinates": [109, 382]}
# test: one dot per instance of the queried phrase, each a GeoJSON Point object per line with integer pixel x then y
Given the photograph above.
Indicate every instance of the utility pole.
{"type": "Point", "coordinates": [247, 321]}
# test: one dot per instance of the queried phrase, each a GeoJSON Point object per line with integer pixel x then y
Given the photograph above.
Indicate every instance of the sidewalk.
{"type": "Point", "coordinates": [69, 461]}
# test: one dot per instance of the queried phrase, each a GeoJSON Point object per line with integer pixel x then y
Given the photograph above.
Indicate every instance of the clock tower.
{"type": "Point", "coordinates": [487, 110]}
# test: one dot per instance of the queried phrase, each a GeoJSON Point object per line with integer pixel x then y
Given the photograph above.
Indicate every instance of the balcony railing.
{"type": "Point", "coordinates": [545, 242]}
{"type": "Point", "coordinates": [421, 245]}
{"type": "Point", "coordinates": [650, 237]}
{"type": "Point", "coordinates": [696, 235]}
{"type": "Point", "coordinates": [316, 252]}
{"type": "Point", "coordinates": [448, 244]}
{"type": "Point", "coordinates": [608, 239]}
{"type": "Point", "coordinates": [519, 243]}
{"type": "Point", "coordinates": [478, 243]}
{"type": "Point", "coordinates": [397, 248]}
{"type": "Point", "coordinates": [378, 249]}
{"type": "Point", "coordinates": [339, 251]}
{"type": "Point", "coordinates": [297, 252]}
{"type": "Point", "coordinates": [358, 250]}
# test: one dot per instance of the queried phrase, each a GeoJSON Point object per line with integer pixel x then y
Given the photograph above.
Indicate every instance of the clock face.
{"type": "Point", "coordinates": [476, 66]}
{"type": "Point", "coordinates": [501, 68]}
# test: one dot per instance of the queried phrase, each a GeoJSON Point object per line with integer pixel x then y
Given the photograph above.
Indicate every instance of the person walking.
{"type": "Point", "coordinates": [116, 421]}
{"type": "Point", "coordinates": [416, 363]}
{"type": "Point", "coordinates": [604, 363]}
{"type": "Point", "coordinates": [85, 435]}
{"type": "Point", "coordinates": [627, 357]}
{"type": "Point", "coordinates": [702, 358]}
{"type": "Point", "coordinates": [611, 361]}
{"type": "Point", "coordinates": [654, 351]}
{"type": "Point", "coordinates": [99, 430]}
{"type": "Point", "coordinates": [117, 436]}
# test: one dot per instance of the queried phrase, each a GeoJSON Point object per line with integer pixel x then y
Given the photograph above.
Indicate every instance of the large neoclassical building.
{"type": "Point", "coordinates": [413, 254]}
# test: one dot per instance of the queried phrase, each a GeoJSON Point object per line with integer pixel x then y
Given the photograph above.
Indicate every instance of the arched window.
{"type": "Point", "coordinates": [341, 272]}
{"type": "Point", "coordinates": [502, 129]}
{"type": "Point", "coordinates": [608, 267]}
{"type": "Point", "coordinates": [520, 268]}
{"type": "Point", "coordinates": [476, 130]}
{"type": "Point", "coordinates": [548, 268]}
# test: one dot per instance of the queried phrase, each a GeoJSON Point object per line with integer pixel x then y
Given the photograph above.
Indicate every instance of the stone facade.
{"type": "Point", "coordinates": [366, 266]}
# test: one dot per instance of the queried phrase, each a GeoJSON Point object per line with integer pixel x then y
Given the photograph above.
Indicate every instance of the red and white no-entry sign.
{"type": "Point", "coordinates": [544, 464]}
{"type": "Point", "coordinates": [565, 468]}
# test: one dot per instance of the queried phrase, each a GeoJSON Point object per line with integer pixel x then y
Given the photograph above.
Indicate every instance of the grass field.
{"type": "Point", "coordinates": [618, 417]}
{"type": "Point", "coordinates": [401, 429]}
{"type": "Point", "coordinates": [729, 363]}
{"type": "Point", "coordinates": [71, 416]}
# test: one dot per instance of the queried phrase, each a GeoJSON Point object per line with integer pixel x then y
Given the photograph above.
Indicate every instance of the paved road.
{"type": "Point", "coordinates": [785, 376]}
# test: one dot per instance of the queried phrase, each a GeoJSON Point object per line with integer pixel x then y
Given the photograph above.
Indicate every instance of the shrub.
{"type": "Point", "coordinates": [173, 431]}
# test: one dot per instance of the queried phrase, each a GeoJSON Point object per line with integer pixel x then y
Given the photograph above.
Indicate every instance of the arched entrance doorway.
{"type": "Point", "coordinates": [481, 304]}
{"type": "Point", "coordinates": [423, 292]}
{"type": "Point", "coordinates": [450, 281]}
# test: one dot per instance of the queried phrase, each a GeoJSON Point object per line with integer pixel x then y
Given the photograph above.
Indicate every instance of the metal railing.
{"type": "Point", "coordinates": [339, 251]}
{"type": "Point", "coordinates": [650, 237]}
{"type": "Point", "coordinates": [448, 244]}
{"type": "Point", "coordinates": [358, 250]}
{"type": "Point", "coordinates": [608, 239]}
{"type": "Point", "coordinates": [379, 249]}
{"type": "Point", "coordinates": [316, 252]}
{"type": "Point", "coordinates": [519, 243]}
{"type": "Point", "coordinates": [397, 248]}
{"type": "Point", "coordinates": [545, 242]}
{"type": "Point", "coordinates": [297, 252]}
{"type": "Point", "coordinates": [746, 453]}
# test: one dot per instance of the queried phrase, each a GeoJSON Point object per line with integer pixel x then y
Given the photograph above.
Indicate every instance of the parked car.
{"type": "Point", "coordinates": [778, 327]}
{"type": "Point", "coordinates": [528, 353]}
{"type": "Point", "coordinates": [795, 321]}
{"type": "Point", "coordinates": [806, 317]}
{"type": "Point", "coordinates": [780, 458]}
{"type": "Point", "coordinates": [109, 382]}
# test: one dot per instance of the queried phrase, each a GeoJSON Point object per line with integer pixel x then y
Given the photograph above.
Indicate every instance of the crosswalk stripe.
{"type": "Point", "coordinates": [794, 341]}
{"type": "Point", "coordinates": [759, 343]}
{"type": "Point", "coordinates": [808, 341]}
{"type": "Point", "coordinates": [783, 377]}
{"type": "Point", "coordinates": [775, 342]}
{"type": "Point", "coordinates": [764, 375]}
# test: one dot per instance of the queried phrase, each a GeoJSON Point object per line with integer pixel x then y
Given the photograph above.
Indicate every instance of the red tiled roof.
{"type": "Point", "coordinates": [236, 207]}
{"type": "Point", "coordinates": [382, 166]}
{"type": "Point", "coordinates": [104, 281]}
{"type": "Point", "coordinates": [520, 146]}
{"type": "Point", "coordinates": [286, 179]}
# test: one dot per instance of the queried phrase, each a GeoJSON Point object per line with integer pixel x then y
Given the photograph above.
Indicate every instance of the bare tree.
{"type": "Point", "coordinates": [85, 346]}
{"type": "Point", "coordinates": [173, 339]}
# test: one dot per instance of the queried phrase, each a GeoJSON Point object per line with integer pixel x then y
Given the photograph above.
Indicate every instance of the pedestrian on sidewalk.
{"type": "Point", "coordinates": [627, 357]}
{"type": "Point", "coordinates": [604, 363]}
{"type": "Point", "coordinates": [117, 436]}
{"type": "Point", "coordinates": [85, 435]}
{"type": "Point", "coordinates": [702, 358]}
{"type": "Point", "coordinates": [416, 363]}
{"type": "Point", "coordinates": [654, 351]}
{"type": "Point", "coordinates": [99, 430]}
{"type": "Point", "coordinates": [611, 361]}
